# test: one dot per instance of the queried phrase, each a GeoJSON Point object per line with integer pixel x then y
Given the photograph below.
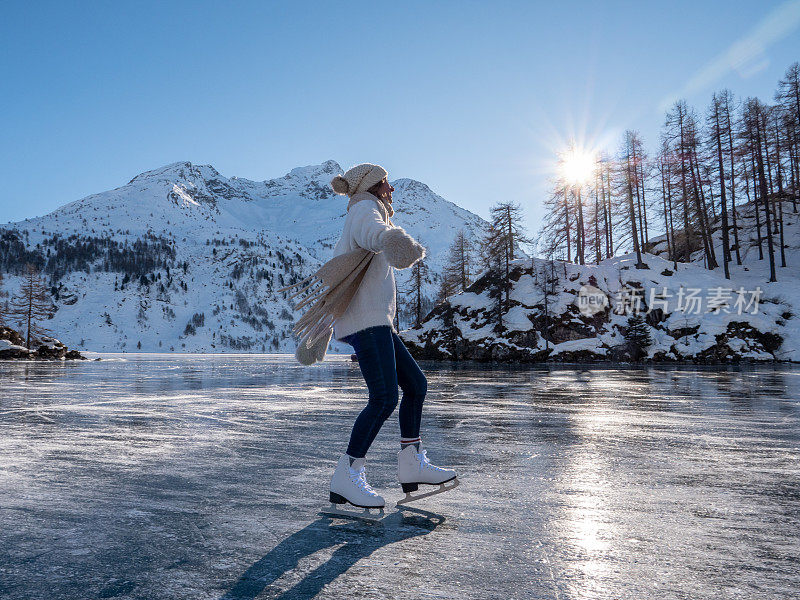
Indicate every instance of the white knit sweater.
{"type": "Point", "coordinates": [375, 302]}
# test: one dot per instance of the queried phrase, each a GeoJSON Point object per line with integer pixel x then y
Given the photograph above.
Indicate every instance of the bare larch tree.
{"type": "Point", "coordinates": [31, 305]}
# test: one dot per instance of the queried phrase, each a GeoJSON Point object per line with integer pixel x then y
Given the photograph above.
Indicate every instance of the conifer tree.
{"type": "Point", "coordinates": [598, 253]}
{"type": "Point", "coordinates": [505, 234]}
{"type": "Point", "coordinates": [459, 266]}
{"type": "Point", "coordinates": [675, 132]}
{"type": "Point", "coordinates": [494, 259]}
{"type": "Point", "coordinates": [683, 135]}
{"type": "Point", "coordinates": [419, 272]}
{"type": "Point", "coordinates": [447, 287]}
{"type": "Point", "coordinates": [553, 238]}
{"type": "Point", "coordinates": [605, 186]}
{"type": "Point", "coordinates": [726, 109]}
{"type": "Point", "coordinates": [639, 174]}
{"type": "Point", "coordinates": [545, 277]}
{"type": "Point", "coordinates": [3, 317]}
{"type": "Point", "coordinates": [753, 133]}
{"type": "Point", "coordinates": [716, 124]}
{"type": "Point", "coordinates": [665, 172]}
{"type": "Point", "coordinates": [637, 334]}
{"type": "Point", "coordinates": [32, 304]}
{"type": "Point", "coordinates": [778, 145]}
{"type": "Point", "coordinates": [629, 176]}
{"type": "Point", "coordinates": [580, 237]}
{"type": "Point", "coordinates": [788, 97]}
{"type": "Point", "coordinates": [762, 182]}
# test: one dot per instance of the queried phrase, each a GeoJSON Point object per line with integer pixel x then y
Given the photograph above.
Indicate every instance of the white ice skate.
{"type": "Point", "coordinates": [413, 469]}
{"type": "Point", "coordinates": [349, 486]}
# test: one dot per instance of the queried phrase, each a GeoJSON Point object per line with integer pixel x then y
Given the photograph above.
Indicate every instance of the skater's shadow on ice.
{"type": "Point", "coordinates": [356, 540]}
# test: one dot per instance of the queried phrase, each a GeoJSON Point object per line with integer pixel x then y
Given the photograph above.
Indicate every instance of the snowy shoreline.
{"type": "Point", "coordinates": [542, 326]}
{"type": "Point", "coordinates": [429, 362]}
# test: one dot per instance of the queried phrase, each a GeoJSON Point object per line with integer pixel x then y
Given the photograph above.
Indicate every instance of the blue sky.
{"type": "Point", "coordinates": [473, 98]}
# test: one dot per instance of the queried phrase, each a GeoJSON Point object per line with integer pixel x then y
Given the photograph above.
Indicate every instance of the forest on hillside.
{"type": "Point", "coordinates": [735, 151]}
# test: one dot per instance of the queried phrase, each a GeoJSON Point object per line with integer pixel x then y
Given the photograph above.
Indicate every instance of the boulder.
{"type": "Point", "coordinates": [12, 347]}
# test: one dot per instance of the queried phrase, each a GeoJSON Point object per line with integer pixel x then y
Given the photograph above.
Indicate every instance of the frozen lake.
{"type": "Point", "coordinates": [155, 477]}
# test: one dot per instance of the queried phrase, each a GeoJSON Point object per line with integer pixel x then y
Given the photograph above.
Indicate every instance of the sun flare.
{"type": "Point", "coordinates": [577, 166]}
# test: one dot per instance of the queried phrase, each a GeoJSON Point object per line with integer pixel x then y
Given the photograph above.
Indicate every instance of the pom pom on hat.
{"type": "Point", "coordinates": [358, 179]}
{"type": "Point", "coordinates": [340, 185]}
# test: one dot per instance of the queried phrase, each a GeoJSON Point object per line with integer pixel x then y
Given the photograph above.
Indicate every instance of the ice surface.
{"type": "Point", "coordinates": [200, 477]}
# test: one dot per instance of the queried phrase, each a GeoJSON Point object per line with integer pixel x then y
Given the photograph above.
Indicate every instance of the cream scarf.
{"type": "Point", "coordinates": [332, 288]}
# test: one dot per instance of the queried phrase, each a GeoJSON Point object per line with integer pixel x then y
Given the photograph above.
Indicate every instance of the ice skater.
{"type": "Point", "coordinates": [367, 325]}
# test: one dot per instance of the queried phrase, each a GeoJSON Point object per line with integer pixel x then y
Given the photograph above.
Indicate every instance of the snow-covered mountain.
{"type": "Point", "coordinates": [182, 258]}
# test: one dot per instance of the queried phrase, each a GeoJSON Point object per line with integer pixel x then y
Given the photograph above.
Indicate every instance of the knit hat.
{"type": "Point", "coordinates": [358, 179]}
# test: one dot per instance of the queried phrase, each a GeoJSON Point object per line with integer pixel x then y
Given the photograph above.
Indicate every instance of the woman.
{"type": "Point", "coordinates": [367, 325]}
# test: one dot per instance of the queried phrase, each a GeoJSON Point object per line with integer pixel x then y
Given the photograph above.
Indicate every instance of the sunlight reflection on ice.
{"type": "Point", "coordinates": [577, 482]}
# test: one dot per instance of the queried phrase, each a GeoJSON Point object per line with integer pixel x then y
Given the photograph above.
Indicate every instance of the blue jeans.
{"type": "Point", "coordinates": [385, 363]}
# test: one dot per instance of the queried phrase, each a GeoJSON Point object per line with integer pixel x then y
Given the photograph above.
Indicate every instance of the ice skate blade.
{"type": "Point", "coordinates": [359, 514]}
{"type": "Point", "coordinates": [443, 487]}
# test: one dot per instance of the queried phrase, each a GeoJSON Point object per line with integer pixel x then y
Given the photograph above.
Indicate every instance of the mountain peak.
{"type": "Point", "coordinates": [327, 169]}
{"type": "Point", "coordinates": [183, 170]}
{"type": "Point", "coordinates": [332, 167]}
{"type": "Point", "coordinates": [412, 184]}
{"type": "Point", "coordinates": [312, 181]}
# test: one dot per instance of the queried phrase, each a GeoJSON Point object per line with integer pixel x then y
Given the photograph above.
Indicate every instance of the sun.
{"type": "Point", "coordinates": [577, 165]}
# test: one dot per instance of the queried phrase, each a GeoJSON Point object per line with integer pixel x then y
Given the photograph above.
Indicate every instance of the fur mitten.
{"type": "Point", "coordinates": [401, 249]}
{"type": "Point", "coordinates": [316, 353]}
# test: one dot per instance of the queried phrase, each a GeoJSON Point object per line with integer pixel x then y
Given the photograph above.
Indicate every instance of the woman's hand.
{"type": "Point", "coordinates": [308, 355]}
{"type": "Point", "coordinates": [401, 249]}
